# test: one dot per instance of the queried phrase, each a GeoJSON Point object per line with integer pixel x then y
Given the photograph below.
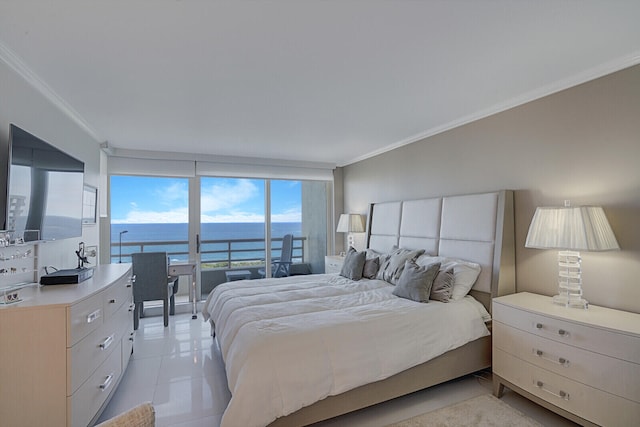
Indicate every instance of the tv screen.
{"type": "Point", "coordinates": [45, 189]}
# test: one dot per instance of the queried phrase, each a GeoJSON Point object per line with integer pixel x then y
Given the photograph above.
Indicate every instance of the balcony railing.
{"type": "Point", "coordinates": [214, 254]}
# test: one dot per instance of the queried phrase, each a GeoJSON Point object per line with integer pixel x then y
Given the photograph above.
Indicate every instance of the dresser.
{"type": "Point", "coordinates": [333, 263]}
{"type": "Point", "coordinates": [64, 348]}
{"type": "Point", "coordinates": [582, 364]}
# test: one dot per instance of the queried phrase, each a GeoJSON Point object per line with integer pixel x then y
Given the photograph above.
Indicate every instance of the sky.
{"type": "Point", "coordinates": [152, 200]}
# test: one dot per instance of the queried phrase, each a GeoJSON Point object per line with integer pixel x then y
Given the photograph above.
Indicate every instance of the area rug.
{"type": "Point", "coordinates": [481, 411]}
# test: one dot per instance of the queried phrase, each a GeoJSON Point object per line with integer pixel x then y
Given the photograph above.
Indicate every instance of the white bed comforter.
{"type": "Point", "coordinates": [290, 342]}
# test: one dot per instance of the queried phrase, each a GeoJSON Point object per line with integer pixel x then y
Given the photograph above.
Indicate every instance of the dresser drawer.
{"type": "Point", "coordinates": [85, 317]}
{"type": "Point", "coordinates": [84, 357]}
{"type": "Point", "coordinates": [612, 375]}
{"type": "Point", "coordinates": [594, 405]}
{"type": "Point", "coordinates": [116, 295]}
{"type": "Point", "coordinates": [128, 338]}
{"type": "Point", "coordinates": [86, 401]}
{"type": "Point", "coordinates": [619, 345]}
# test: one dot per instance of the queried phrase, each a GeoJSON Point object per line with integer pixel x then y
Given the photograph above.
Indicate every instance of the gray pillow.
{"type": "Point", "coordinates": [371, 267]}
{"type": "Point", "coordinates": [442, 286]}
{"type": "Point", "coordinates": [392, 265]}
{"type": "Point", "coordinates": [353, 265]}
{"type": "Point", "coordinates": [415, 282]}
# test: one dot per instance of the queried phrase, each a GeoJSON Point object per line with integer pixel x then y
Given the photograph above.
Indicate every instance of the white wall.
{"type": "Point", "coordinates": [581, 144]}
{"type": "Point", "coordinates": [24, 106]}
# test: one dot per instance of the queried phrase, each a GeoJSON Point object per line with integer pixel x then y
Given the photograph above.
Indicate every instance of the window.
{"type": "Point", "coordinates": [149, 214]}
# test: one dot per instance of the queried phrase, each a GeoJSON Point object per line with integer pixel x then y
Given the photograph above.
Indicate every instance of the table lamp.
{"type": "Point", "coordinates": [350, 223]}
{"type": "Point", "coordinates": [571, 230]}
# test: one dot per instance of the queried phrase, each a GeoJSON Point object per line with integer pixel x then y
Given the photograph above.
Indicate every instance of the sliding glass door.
{"type": "Point", "coordinates": [232, 228]}
{"type": "Point", "coordinates": [225, 225]}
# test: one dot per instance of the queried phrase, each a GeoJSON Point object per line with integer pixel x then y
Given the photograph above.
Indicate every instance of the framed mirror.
{"type": "Point", "coordinates": [89, 204]}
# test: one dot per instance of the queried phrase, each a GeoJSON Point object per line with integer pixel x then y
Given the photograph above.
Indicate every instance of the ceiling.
{"type": "Point", "coordinates": [314, 81]}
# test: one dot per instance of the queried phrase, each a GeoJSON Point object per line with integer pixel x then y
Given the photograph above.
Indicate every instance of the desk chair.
{"type": "Point", "coordinates": [280, 266]}
{"type": "Point", "coordinates": [152, 282]}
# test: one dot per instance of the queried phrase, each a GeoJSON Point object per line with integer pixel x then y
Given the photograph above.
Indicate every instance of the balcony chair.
{"type": "Point", "coordinates": [152, 283]}
{"type": "Point", "coordinates": [280, 266]}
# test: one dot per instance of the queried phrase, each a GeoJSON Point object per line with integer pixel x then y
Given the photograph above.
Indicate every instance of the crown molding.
{"type": "Point", "coordinates": [554, 87]}
{"type": "Point", "coordinates": [18, 65]}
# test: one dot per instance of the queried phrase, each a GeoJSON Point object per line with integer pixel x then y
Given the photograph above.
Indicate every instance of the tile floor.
{"type": "Point", "coordinates": [180, 370]}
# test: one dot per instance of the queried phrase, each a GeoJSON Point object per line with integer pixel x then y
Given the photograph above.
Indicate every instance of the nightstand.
{"type": "Point", "coordinates": [333, 263]}
{"type": "Point", "coordinates": [582, 364]}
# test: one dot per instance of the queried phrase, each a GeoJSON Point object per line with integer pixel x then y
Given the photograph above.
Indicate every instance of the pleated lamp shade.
{"type": "Point", "coordinates": [350, 223]}
{"type": "Point", "coordinates": [581, 228]}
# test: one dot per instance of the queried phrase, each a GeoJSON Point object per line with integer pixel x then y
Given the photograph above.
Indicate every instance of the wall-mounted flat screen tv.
{"type": "Point", "coordinates": [45, 189]}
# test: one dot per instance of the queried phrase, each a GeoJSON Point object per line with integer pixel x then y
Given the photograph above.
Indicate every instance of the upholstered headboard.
{"type": "Point", "coordinates": [474, 227]}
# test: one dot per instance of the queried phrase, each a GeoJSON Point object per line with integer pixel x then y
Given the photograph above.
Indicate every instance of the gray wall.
{"type": "Point", "coordinates": [581, 144]}
{"type": "Point", "coordinates": [24, 106]}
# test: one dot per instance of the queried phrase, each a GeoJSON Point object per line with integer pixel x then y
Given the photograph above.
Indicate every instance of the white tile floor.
{"type": "Point", "coordinates": [180, 370]}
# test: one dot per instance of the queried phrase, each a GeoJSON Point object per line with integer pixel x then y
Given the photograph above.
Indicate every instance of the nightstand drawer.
{"type": "Point", "coordinates": [619, 345]}
{"type": "Point", "coordinates": [333, 264]}
{"type": "Point", "coordinates": [612, 375]}
{"type": "Point", "coordinates": [595, 405]}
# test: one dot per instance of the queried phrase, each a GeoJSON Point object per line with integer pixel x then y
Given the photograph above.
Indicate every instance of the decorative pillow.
{"type": "Point", "coordinates": [415, 282]}
{"type": "Point", "coordinates": [442, 286]}
{"type": "Point", "coordinates": [371, 267]}
{"type": "Point", "coordinates": [353, 265]}
{"type": "Point", "coordinates": [392, 265]}
{"type": "Point", "coordinates": [372, 253]}
{"type": "Point", "coordinates": [465, 273]}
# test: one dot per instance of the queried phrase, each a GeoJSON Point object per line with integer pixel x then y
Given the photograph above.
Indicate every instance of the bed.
{"type": "Point", "coordinates": [353, 340]}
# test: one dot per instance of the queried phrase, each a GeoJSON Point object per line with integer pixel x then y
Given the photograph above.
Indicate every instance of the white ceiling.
{"type": "Point", "coordinates": [322, 81]}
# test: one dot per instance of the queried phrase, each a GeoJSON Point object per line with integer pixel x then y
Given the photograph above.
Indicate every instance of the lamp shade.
{"type": "Point", "coordinates": [350, 223]}
{"type": "Point", "coordinates": [582, 228]}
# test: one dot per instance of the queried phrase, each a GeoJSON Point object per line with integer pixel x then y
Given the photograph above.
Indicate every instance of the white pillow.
{"type": "Point", "coordinates": [465, 273]}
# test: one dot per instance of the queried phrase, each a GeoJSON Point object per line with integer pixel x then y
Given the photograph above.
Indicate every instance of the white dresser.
{"type": "Point", "coordinates": [333, 263]}
{"type": "Point", "coordinates": [63, 349]}
{"type": "Point", "coordinates": [583, 364]}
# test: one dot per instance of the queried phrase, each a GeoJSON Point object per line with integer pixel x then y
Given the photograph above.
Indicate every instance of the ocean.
{"type": "Point", "coordinates": [146, 233]}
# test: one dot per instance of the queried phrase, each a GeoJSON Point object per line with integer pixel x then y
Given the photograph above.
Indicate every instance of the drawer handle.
{"type": "Point", "coordinates": [107, 381]}
{"type": "Point", "coordinates": [106, 343]}
{"type": "Point", "coordinates": [132, 307]}
{"type": "Point", "coordinates": [563, 333]}
{"type": "Point", "coordinates": [560, 394]}
{"type": "Point", "coordinates": [112, 301]}
{"type": "Point", "coordinates": [554, 359]}
{"type": "Point", "coordinates": [92, 317]}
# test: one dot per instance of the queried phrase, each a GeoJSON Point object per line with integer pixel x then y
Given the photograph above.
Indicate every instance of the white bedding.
{"type": "Point", "coordinates": [290, 342]}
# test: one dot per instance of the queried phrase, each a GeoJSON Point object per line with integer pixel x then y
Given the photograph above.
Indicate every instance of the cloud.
{"type": "Point", "coordinates": [226, 195]}
{"type": "Point", "coordinates": [291, 215]}
{"type": "Point", "coordinates": [174, 216]}
{"type": "Point", "coordinates": [176, 192]}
